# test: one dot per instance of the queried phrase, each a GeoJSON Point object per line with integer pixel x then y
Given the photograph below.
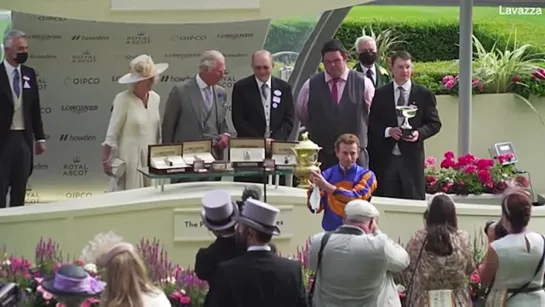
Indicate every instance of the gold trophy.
{"type": "Point", "coordinates": [407, 112]}
{"type": "Point", "coordinates": [306, 156]}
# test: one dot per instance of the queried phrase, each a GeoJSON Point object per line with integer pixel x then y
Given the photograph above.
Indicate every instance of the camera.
{"type": "Point", "coordinates": [10, 295]}
{"type": "Point", "coordinates": [499, 230]}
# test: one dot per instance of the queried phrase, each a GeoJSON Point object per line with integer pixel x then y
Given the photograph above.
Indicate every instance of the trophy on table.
{"type": "Point", "coordinates": [306, 156]}
{"type": "Point", "coordinates": [407, 112]}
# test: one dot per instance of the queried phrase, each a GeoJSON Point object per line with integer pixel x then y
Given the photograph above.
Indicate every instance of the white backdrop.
{"type": "Point", "coordinates": [78, 64]}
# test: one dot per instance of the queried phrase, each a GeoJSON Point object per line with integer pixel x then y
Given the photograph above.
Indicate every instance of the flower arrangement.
{"type": "Point", "coordinates": [450, 83]}
{"type": "Point", "coordinates": [181, 286]}
{"type": "Point", "coordinates": [468, 174]}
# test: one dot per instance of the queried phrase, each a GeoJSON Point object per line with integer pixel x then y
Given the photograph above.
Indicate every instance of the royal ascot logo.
{"type": "Point", "coordinates": [90, 38]}
{"type": "Point", "coordinates": [36, 57]}
{"type": "Point", "coordinates": [84, 58]}
{"type": "Point", "coordinates": [77, 81]}
{"type": "Point", "coordinates": [31, 196]}
{"type": "Point", "coordinates": [42, 83]}
{"type": "Point", "coordinates": [228, 81]}
{"type": "Point", "coordinates": [234, 36]}
{"type": "Point", "coordinates": [75, 169]}
{"type": "Point", "coordinates": [235, 55]}
{"type": "Point", "coordinates": [139, 39]}
{"type": "Point", "coordinates": [80, 194]}
{"type": "Point", "coordinates": [79, 109]}
{"type": "Point", "coordinates": [174, 79]}
{"type": "Point", "coordinates": [40, 167]}
{"type": "Point", "coordinates": [44, 37]}
{"type": "Point", "coordinates": [77, 138]}
{"type": "Point", "coordinates": [181, 56]}
{"type": "Point", "coordinates": [45, 110]}
{"type": "Point", "coordinates": [188, 38]}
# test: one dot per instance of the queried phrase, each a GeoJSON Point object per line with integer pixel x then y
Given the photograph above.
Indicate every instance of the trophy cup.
{"type": "Point", "coordinates": [407, 112]}
{"type": "Point", "coordinates": [306, 156]}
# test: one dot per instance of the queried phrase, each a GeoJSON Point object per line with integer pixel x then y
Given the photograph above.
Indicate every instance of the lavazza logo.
{"type": "Point", "coordinates": [181, 56]}
{"type": "Point", "coordinates": [139, 39]}
{"type": "Point", "coordinates": [90, 38]}
{"type": "Point", "coordinates": [79, 109]}
{"type": "Point", "coordinates": [75, 169]}
{"type": "Point", "coordinates": [84, 58]}
{"type": "Point", "coordinates": [81, 81]}
{"type": "Point", "coordinates": [77, 138]}
{"type": "Point", "coordinates": [174, 79]}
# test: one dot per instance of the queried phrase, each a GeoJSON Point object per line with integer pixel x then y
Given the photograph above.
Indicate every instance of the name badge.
{"type": "Point", "coordinates": [441, 298]}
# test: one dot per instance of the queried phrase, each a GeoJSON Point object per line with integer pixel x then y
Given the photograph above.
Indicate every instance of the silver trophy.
{"type": "Point", "coordinates": [407, 112]}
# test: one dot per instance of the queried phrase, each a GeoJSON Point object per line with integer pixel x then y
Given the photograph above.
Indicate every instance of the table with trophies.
{"type": "Point", "coordinates": [246, 157]}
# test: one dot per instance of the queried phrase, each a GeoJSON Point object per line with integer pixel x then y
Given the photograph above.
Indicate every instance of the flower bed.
{"type": "Point", "coordinates": [468, 174]}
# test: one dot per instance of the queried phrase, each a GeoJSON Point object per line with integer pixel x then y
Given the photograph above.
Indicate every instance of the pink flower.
{"type": "Point", "coordinates": [448, 163]}
{"type": "Point", "coordinates": [46, 295]}
{"type": "Point", "coordinates": [475, 278]}
{"type": "Point", "coordinates": [450, 84]}
{"type": "Point", "coordinates": [447, 79]}
{"type": "Point", "coordinates": [484, 176]}
{"type": "Point", "coordinates": [470, 169]}
{"type": "Point", "coordinates": [430, 162]}
{"type": "Point", "coordinates": [484, 164]}
{"type": "Point", "coordinates": [449, 155]}
{"type": "Point", "coordinates": [539, 74]}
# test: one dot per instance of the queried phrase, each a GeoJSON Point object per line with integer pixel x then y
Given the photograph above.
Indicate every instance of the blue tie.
{"type": "Point", "coordinates": [16, 83]}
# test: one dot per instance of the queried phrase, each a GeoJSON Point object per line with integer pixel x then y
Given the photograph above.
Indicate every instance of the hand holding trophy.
{"type": "Point", "coordinates": [407, 112]}
{"type": "Point", "coordinates": [306, 155]}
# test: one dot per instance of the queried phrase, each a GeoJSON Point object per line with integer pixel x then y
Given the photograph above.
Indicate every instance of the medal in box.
{"type": "Point", "coordinates": [198, 151]}
{"type": "Point", "coordinates": [166, 159]}
{"type": "Point", "coordinates": [283, 154]}
{"type": "Point", "coordinates": [247, 153]}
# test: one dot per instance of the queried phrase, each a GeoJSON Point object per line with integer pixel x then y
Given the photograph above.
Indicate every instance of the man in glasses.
{"type": "Point", "coordinates": [262, 104]}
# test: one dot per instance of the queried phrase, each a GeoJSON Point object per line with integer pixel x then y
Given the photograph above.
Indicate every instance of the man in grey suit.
{"type": "Point", "coordinates": [195, 108]}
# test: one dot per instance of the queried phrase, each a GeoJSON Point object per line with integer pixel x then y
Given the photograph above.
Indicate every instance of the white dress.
{"type": "Point", "coordinates": [155, 299]}
{"type": "Point", "coordinates": [517, 266]}
{"type": "Point", "coordinates": [131, 129]}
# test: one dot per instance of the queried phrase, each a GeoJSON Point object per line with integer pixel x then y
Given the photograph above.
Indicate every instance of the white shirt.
{"type": "Point", "coordinates": [266, 104]}
{"type": "Point", "coordinates": [204, 87]}
{"type": "Point", "coordinates": [373, 72]}
{"type": "Point", "coordinates": [397, 92]}
{"type": "Point", "coordinates": [254, 248]}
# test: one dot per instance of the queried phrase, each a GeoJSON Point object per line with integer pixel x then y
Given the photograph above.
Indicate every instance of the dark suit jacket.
{"type": "Point", "coordinates": [383, 115]}
{"type": "Point", "coordinates": [30, 104]}
{"type": "Point", "coordinates": [260, 278]}
{"type": "Point", "coordinates": [248, 114]}
{"type": "Point", "coordinates": [382, 79]}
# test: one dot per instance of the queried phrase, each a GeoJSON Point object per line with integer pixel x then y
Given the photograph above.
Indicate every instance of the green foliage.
{"type": "Point", "coordinates": [288, 36]}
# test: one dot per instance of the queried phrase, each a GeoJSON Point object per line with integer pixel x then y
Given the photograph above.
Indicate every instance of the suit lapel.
{"type": "Point", "coordinates": [4, 83]}
{"type": "Point", "coordinates": [196, 101]}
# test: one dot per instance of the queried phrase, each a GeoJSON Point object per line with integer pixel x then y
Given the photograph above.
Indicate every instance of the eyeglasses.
{"type": "Point", "coordinates": [261, 67]}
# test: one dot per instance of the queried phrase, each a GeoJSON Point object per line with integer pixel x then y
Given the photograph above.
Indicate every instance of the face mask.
{"type": "Point", "coordinates": [368, 58]}
{"type": "Point", "coordinates": [21, 57]}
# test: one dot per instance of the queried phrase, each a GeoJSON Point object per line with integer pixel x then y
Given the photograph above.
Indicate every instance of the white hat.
{"type": "Point", "coordinates": [259, 216]}
{"type": "Point", "coordinates": [218, 210]}
{"type": "Point", "coordinates": [142, 68]}
{"type": "Point", "coordinates": [360, 208]}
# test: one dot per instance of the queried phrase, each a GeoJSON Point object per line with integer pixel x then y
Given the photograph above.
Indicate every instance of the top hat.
{"type": "Point", "coordinates": [142, 68]}
{"type": "Point", "coordinates": [259, 216]}
{"type": "Point", "coordinates": [73, 280]}
{"type": "Point", "coordinates": [218, 210]}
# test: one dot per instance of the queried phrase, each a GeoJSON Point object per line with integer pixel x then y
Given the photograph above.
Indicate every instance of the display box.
{"type": "Point", "coordinates": [247, 153]}
{"type": "Point", "coordinates": [198, 151]}
{"type": "Point", "coordinates": [166, 159]}
{"type": "Point", "coordinates": [283, 155]}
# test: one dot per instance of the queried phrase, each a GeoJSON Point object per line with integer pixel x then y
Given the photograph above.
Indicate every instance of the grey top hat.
{"type": "Point", "coordinates": [218, 210]}
{"type": "Point", "coordinates": [259, 216]}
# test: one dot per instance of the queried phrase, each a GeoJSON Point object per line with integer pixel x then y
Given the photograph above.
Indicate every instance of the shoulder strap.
{"type": "Point", "coordinates": [538, 268]}
{"type": "Point", "coordinates": [323, 243]}
{"type": "Point", "coordinates": [409, 286]}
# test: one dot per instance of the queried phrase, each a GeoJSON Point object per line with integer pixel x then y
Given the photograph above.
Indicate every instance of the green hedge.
{"type": "Point", "coordinates": [428, 40]}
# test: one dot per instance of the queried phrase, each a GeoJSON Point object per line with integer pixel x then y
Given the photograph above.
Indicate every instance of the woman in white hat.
{"type": "Point", "coordinates": [134, 124]}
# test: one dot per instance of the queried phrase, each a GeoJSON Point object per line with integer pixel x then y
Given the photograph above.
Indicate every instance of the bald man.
{"type": "Point", "coordinates": [262, 104]}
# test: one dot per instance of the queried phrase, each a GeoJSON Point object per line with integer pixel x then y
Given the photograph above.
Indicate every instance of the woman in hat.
{"type": "Point", "coordinates": [72, 285]}
{"type": "Point", "coordinates": [134, 124]}
{"type": "Point", "coordinates": [126, 276]}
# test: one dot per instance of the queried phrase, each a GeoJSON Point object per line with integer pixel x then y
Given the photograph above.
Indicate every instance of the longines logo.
{"type": "Point", "coordinates": [40, 167]}
{"type": "Point", "coordinates": [42, 83]}
{"type": "Point", "coordinates": [235, 55]}
{"type": "Point", "coordinates": [90, 38]}
{"type": "Point", "coordinates": [79, 109]}
{"type": "Point", "coordinates": [81, 194]}
{"type": "Point", "coordinates": [77, 138]}
{"type": "Point", "coordinates": [235, 35]}
{"type": "Point", "coordinates": [75, 169]}
{"type": "Point", "coordinates": [181, 56]}
{"type": "Point", "coordinates": [84, 58]}
{"type": "Point", "coordinates": [44, 37]}
{"type": "Point", "coordinates": [32, 197]}
{"type": "Point", "coordinates": [81, 81]}
{"type": "Point", "coordinates": [174, 79]}
{"type": "Point", "coordinates": [139, 39]}
{"type": "Point", "coordinates": [45, 110]}
{"type": "Point", "coordinates": [43, 57]}
{"type": "Point", "coordinates": [126, 57]}
{"type": "Point", "coordinates": [188, 38]}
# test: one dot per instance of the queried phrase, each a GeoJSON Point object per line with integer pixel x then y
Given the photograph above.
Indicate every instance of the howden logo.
{"type": "Point", "coordinates": [174, 79]}
{"type": "Point", "coordinates": [90, 38]}
{"type": "Point", "coordinates": [77, 138]}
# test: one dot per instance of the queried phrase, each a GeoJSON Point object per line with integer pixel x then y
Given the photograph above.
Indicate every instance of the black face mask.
{"type": "Point", "coordinates": [368, 58]}
{"type": "Point", "coordinates": [21, 57]}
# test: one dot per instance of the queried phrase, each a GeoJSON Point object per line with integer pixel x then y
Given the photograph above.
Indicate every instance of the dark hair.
{"type": "Point", "coordinates": [404, 55]}
{"type": "Point", "coordinates": [441, 221]}
{"type": "Point", "coordinates": [517, 208]}
{"type": "Point", "coordinates": [332, 46]}
{"type": "Point", "coordinates": [251, 191]}
{"type": "Point", "coordinates": [499, 229]}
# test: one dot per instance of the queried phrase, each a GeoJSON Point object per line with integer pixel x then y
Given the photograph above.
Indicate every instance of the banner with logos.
{"type": "Point", "coordinates": [78, 64]}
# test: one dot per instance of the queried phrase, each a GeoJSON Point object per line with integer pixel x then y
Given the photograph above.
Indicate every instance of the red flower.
{"type": "Point", "coordinates": [515, 79]}
{"type": "Point", "coordinates": [470, 169]}
{"type": "Point", "coordinates": [484, 164]}
{"type": "Point", "coordinates": [448, 163]}
{"type": "Point", "coordinates": [466, 160]}
{"type": "Point", "coordinates": [484, 176]}
{"type": "Point", "coordinates": [539, 74]}
{"type": "Point", "coordinates": [449, 155]}
{"type": "Point", "coordinates": [475, 278]}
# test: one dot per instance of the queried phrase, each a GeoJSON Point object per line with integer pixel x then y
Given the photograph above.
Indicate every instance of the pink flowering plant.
{"type": "Point", "coordinates": [181, 286]}
{"type": "Point", "coordinates": [468, 174]}
{"type": "Point", "coordinates": [450, 83]}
